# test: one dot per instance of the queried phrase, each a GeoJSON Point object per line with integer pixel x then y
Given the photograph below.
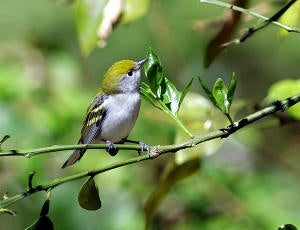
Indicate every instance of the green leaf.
{"type": "Point", "coordinates": [170, 96]}
{"type": "Point", "coordinates": [220, 94]}
{"type": "Point", "coordinates": [95, 19]}
{"type": "Point", "coordinates": [283, 89]}
{"type": "Point", "coordinates": [207, 91]}
{"type": "Point", "coordinates": [88, 18]}
{"type": "Point", "coordinates": [153, 72]}
{"type": "Point", "coordinates": [161, 91]}
{"type": "Point", "coordinates": [185, 91]}
{"type": "Point", "coordinates": [231, 89]}
{"type": "Point", "coordinates": [287, 227]}
{"type": "Point", "coordinates": [134, 9]}
{"type": "Point", "coordinates": [88, 197]}
{"type": "Point", "coordinates": [173, 174]}
{"type": "Point", "coordinates": [45, 208]}
{"type": "Point", "coordinates": [291, 17]}
{"type": "Point", "coordinates": [42, 223]}
{"type": "Point", "coordinates": [146, 91]}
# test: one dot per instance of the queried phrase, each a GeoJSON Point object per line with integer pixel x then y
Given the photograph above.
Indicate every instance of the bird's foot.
{"type": "Point", "coordinates": [112, 149]}
{"type": "Point", "coordinates": [144, 147]}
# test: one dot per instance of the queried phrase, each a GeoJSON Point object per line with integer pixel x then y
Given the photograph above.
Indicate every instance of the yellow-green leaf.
{"type": "Point", "coordinates": [283, 89]}
{"type": "Point", "coordinates": [290, 18]}
{"type": "Point", "coordinates": [95, 19]}
{"type": "Point", "coordinates": [88, 18]}
{"type": "Point", "coordinates": [220, 92]}
{"type": "Point", "coordinates": [134, 9]}
{"type": "Point", "coordinates": [88, 196]}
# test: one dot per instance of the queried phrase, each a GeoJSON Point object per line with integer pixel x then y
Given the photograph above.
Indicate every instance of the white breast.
{"type": "Point", "coordinates": [121, 115]}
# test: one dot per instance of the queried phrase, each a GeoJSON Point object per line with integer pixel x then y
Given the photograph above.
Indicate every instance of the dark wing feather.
{"type": "Point", "coordinates": [91, 126]}
{"type": "Point", "coordinates": [94, 118]}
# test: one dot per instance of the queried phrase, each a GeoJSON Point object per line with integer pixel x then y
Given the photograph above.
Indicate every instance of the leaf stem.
{"type": "Point", "coordinates": [229, 118]}
{"type": "Point", "coordinates": [176, 119]}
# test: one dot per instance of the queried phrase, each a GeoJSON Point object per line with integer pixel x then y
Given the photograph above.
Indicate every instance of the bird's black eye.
{"type": "Point", "coordinates": [130, 73]}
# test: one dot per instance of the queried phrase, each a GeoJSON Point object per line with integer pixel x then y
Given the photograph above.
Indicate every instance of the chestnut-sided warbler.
{"type": "Point", "coordinates": [113, 111]}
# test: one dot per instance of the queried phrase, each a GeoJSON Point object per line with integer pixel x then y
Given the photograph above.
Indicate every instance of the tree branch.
{"type": "Point", "coordinates": [266, 21]}
{"type": "Point", "coordinates": [155, 151]}
{"type": "Point", "coordinates": [57, 148]}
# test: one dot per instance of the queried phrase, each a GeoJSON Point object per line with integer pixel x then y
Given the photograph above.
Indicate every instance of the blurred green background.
{"type": "Point", "coordinates": [251, 182]}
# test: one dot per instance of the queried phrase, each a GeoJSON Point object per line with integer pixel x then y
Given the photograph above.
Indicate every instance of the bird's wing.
{"type": "Point", "coordinates": [91, 126]}
{"type": "Point", "coordinates": [94, 118]}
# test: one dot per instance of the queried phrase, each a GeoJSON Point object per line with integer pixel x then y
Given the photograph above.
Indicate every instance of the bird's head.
{"type": "Point", "coordinates": [122, 77]}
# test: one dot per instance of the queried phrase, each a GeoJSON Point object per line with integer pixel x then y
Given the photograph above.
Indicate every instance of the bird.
{"type": "Point", "coordinates": [113, 112]}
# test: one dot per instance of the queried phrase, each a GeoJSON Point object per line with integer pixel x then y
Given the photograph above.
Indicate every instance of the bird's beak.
{"type": "Point", "coordinates": [139, 64]}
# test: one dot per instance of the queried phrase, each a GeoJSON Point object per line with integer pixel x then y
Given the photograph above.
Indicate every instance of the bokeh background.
{"type": "Point", "coordinates": [250, 182]}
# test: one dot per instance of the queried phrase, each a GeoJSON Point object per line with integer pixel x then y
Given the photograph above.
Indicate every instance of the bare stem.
{"type": "Point", "coordinates": [256, 15]}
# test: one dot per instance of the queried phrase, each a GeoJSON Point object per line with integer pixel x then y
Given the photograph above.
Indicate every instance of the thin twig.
{"type": "Point", "coordinates": [155, 151]}
{"type": "Point", "coordinates": [57, 148]}
{"type": "Point", "coordinates": [265, 20]}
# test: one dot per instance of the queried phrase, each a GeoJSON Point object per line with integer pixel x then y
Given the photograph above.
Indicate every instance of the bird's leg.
{"type": "Point", "coordinates": [112, 149]}
{"type": "Point", "coordinates": [143, 145]}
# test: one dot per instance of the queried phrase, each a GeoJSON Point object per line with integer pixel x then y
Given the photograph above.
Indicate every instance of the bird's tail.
{"type": "Point", "coordinates": [75, 156]}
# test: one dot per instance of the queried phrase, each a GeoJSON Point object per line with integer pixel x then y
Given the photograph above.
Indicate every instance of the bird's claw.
{"type": "Point", "coordinates": [144, 147]}
{"type": "Point", "coordinates": [112, 149]}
